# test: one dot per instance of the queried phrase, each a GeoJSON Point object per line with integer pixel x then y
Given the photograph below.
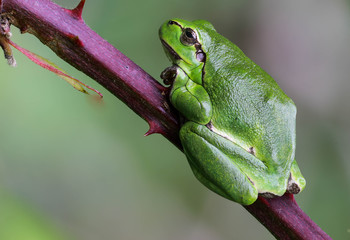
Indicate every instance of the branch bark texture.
{"type": "Point", "coordinates": [65, 32]}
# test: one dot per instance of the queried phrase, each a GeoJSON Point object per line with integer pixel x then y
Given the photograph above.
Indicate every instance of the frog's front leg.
{"type": "Point", "coordinates": [188, 97]}
{"type": "Point", "coordinates": [212, 159]}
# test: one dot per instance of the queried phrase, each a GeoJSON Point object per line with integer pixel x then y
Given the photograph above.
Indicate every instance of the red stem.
{"type": "Point", "coordinates": [284, 219]}
{"type": "Point", "coordinates": [71, 39]}
{"type": "Point", "coordinates": [67, 35]}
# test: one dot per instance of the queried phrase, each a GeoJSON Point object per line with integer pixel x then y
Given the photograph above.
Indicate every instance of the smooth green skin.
{"type": "Point", "coordinates": [239, 134]}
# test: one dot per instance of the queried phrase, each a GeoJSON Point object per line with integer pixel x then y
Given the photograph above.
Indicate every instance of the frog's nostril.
{"type": "Point", "coordinates": [171, 22]}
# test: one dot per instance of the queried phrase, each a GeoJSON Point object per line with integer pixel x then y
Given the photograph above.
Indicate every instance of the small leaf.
{"type": "Point", "coordinates": [47, 64]}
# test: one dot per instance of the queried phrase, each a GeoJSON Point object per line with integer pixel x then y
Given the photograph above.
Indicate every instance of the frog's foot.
{"type": "Point", "coordinates": [205, 151]}
{"type": "Point", "coordinates": [296, 181]}
{"type": "Point", "coordinates": [169, 74]}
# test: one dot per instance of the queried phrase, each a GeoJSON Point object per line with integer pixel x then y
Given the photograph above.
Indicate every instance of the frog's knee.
{"type": "Point", "coordinates": [190, 128]}
{"type": "Point", "coordinates": [213, 167]}
{"type": "Point", "coordinates": [243, 192]}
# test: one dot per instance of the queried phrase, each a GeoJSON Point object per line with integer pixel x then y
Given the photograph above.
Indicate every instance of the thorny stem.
{"type": "Point", "coordinates": [66, 34]}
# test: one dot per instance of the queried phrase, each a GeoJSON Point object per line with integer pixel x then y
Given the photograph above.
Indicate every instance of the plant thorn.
{"type": "Point", "coordinates": [78, 10]}
{"type": "Point", "coordinates": [153, 128]}
{"type": "Point", "coordinates": [75, 39]}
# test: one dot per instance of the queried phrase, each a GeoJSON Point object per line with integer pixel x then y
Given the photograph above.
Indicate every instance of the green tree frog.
{"type": "Point", "coordinates": [239, 126]}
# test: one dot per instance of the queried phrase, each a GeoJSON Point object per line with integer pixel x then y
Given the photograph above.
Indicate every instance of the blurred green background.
{"type": "Point", "coordinates": [74, 169]}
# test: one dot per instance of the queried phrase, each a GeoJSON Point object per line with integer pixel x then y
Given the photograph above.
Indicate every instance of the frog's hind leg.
{"type": "Point", "coordinates": [296, 182]}
{"type": "Point", "coordinates": [213, 167]}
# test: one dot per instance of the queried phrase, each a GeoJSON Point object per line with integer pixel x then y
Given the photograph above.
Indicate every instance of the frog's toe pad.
{"type": "Point", "coordinates": [293, 187]}
{"type": "Point", "coordinates": [169, 75]}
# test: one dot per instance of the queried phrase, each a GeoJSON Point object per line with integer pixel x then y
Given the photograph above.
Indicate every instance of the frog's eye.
{"type": "Point", "coordinates": [188, 37]}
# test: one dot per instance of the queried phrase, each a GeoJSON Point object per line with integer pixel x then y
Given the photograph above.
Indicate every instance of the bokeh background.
{"type": "Point", "coordinates": [74, 169]}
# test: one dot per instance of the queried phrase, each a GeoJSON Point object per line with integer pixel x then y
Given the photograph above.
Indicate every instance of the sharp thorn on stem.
{"type": "Point", "coordinates": [77, 11]}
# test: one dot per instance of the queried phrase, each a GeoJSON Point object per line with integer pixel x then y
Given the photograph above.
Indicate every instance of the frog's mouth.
{"type": "Point", "coordinates": [170, 73]}
{"type": "Point", "coordinates": [171, 50]}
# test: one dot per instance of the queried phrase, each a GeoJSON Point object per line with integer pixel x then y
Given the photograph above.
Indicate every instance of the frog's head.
{"type": "Point", "coordinates": [185, 44]}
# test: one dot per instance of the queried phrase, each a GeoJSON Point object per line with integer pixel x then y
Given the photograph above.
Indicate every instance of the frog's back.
{"type": "Point", "coordinates": [249, 107]}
